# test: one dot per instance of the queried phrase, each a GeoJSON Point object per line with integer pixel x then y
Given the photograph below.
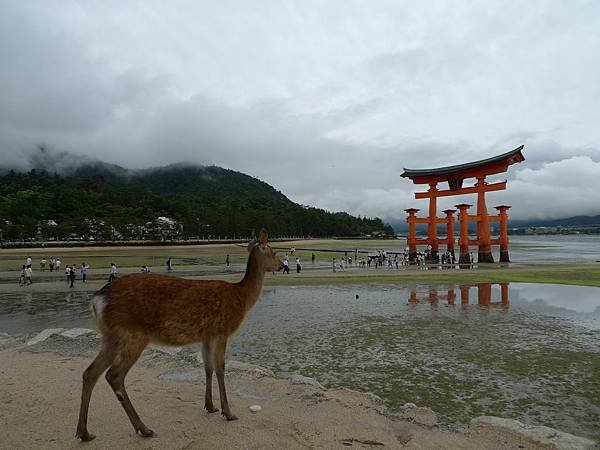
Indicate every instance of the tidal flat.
{"type": "Point", "coordinates": [534, 358]}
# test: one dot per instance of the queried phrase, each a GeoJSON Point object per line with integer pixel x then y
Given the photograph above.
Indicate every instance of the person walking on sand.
{"type": "Point", "coordinates": [334, 265]}
{"type": "Point", "coordinates": [227, 260]}
{"type": "Point", "coordinates": [312, 258]}
{"type": "Point", "coordinates": [68, 274]}
{"type": "Point", "coordinates": [84, 272]}
{"type": "Point", "coordinates": [28, 275]}
{"type": "Point", "coordinates": [169, 265]}
{"type": "Point", "coordinates": [51, 264]}
{"type": "Point", "coordinates": [43, 264]}
{"type": "Point", "coordinates": [72, 276]}
{"type": "Point", "coordinates": [23, 277]}
{"type": "Point", "coordinates": [286, 266]}
{"type": "Point", "coordinates": [57, 264]}
{"type": "Point", "coordinates": [28, 262]}
{"type": "Point", "coordinates": [112, 274]}
{"type": "Point", "coordinates": [298, 266]}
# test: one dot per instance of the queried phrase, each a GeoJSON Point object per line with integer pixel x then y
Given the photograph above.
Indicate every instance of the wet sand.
{"type": "Point", "coordinates": [42, 382]}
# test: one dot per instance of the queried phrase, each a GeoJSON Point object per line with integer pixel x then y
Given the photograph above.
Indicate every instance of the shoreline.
{"type": "Point", "coordinates": [167, 389]}
{"type": "Point", "coordinates": [574, 275]}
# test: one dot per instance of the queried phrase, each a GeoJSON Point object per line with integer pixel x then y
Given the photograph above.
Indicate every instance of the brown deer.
{"type": "Point", "coordinates": [136, 310]}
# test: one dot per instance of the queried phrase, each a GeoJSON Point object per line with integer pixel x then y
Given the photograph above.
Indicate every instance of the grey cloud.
{"type": "Point", "coordinates": [326, 103]}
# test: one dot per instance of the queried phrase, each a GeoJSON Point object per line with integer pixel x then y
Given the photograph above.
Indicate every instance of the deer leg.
{"type": "Point", "coordinates": [208, 369]}
{"type": "Point", "coordinates": [126, 358]}
{"type": "Point", "coordinates": [219, 346]}
{"type": "Point", "coordinates": [90, 376]}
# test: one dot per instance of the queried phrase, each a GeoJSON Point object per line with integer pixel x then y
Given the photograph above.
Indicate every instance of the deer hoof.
{"type": "Point", "coordinates": [147, 433]}
{"type": "Point", "coordinates": [230, 417]}
{"type": "Point", "coordinates": [85, 436]}
{"type": "Point", "coordinates": [211, 409]}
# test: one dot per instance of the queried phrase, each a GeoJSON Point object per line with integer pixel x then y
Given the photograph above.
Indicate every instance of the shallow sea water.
{"type": "Point", "coordinates": [533, 355]}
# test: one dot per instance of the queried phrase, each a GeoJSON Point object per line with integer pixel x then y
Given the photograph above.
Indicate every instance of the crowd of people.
{"type": "Point", "coordinates": [383, 259]}
{"type": "Point", "coordinates": [379, 259]}
{"type": "Point", "coordinates": [53, 265]}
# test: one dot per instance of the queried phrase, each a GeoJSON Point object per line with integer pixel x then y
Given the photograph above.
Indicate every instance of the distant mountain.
{"type": "Point", "coordinates": [565, 222]}
{"type": "Point", "coordinates": [102, 201]}
{"type": "Point", "coordinates": [576, 221]}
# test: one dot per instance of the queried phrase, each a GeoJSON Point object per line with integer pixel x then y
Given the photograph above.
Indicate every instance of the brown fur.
{"type": "Point", "coordinates": [142, 308]}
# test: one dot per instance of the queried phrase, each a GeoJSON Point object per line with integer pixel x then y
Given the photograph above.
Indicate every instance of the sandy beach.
{"type": "Point", "coordinates": [41, 381]}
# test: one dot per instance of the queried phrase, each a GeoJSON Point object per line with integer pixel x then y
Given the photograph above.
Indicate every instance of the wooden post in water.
{"type": "Point", "coordinates": [463, 216]}
{"type": "Point", "coordinates": [504, 257]}
{"type": "Point", "coordinates": [450, 230]}
{"type": "Point", "coordinates": [412, 234]}
{"type": "Point", "coordinates": [432, 226]}
{"type": "Point", "coordinates": [483, 224]}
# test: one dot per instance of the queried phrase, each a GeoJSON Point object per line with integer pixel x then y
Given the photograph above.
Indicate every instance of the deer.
{"type": "Point", "coordinates": [138, 309]}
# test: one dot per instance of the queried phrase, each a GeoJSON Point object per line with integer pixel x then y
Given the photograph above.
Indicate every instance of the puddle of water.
{"type": "Point", "coordinates": [28, 313]}
{"type": "Point", "coordinates": [524, 351]}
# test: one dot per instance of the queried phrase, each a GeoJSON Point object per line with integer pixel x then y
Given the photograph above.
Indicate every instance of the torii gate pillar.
{"type": "Point", "coordinates": [503, 232]}
{"type": "Point", "coordinates": [483, 224]}
{"type": "Point", "coordinates": [464, 260]}
{"type": "Point", "coordinates": [412, 234]}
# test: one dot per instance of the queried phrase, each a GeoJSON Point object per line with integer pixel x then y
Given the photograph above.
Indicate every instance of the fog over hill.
{"type": "Point", "coordinates": [89, 199]}
{"type": "Point", "coordinates": [328, 101]}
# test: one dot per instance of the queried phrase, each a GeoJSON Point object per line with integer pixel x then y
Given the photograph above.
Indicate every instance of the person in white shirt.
{"type": "Point", "coordinates": [113, 272]}
{"type": "Point", "coordinates": [84, 270]}
{"type": "Point", "coordinates": [286, 266]}
{"type": "Point", "coordinates": [28, 274]}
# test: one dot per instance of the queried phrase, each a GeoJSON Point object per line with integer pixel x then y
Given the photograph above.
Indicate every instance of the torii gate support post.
{"type": "Point", "coordinates": [504, 257]}
{"type": "Point", "coordinates": [450, 230]}
{"type": "Point", "coordinates": [432, 227]}
{"type": "Point", "coordinates": [412, 234]}
{"type": "Point", "coordinates": [463, 216]}
{"type": "Point", "coordinates": [483, 226]}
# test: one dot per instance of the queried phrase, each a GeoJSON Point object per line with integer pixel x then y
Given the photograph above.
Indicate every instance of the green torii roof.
{"type": "Point", "coordinates": [440, 171]}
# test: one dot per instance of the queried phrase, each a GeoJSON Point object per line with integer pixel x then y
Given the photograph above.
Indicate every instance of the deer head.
{"type": "Point", "coordinates": [264, 255]}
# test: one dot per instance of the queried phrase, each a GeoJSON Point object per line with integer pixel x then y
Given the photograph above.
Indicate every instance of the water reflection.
{"type": "Point", "coordinates": [449, 295]}
{"type": "Point", "coordinates": [27, 312]}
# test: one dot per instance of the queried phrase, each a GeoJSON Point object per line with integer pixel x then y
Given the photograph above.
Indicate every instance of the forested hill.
{"type": "Point", "coordinates": [99, 201]}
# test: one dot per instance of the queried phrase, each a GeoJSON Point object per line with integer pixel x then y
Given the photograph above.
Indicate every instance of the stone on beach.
{"type": "Point", "coordinates": [43, 335]}
{"type": "Point", "coordinates": [537, 435]}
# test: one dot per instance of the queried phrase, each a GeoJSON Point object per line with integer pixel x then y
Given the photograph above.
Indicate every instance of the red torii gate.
{"type": "Point", "coordinates": [454, 176]}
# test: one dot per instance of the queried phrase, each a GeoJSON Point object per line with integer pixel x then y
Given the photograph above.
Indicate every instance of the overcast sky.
{"type": "Point", "coordinates": [327, 101]}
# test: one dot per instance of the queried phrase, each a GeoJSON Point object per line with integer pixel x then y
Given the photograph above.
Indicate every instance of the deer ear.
{"type": "Point", "coordinates": [251, 245]}
{"type": "Point", "coordinates": [263, 237]}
